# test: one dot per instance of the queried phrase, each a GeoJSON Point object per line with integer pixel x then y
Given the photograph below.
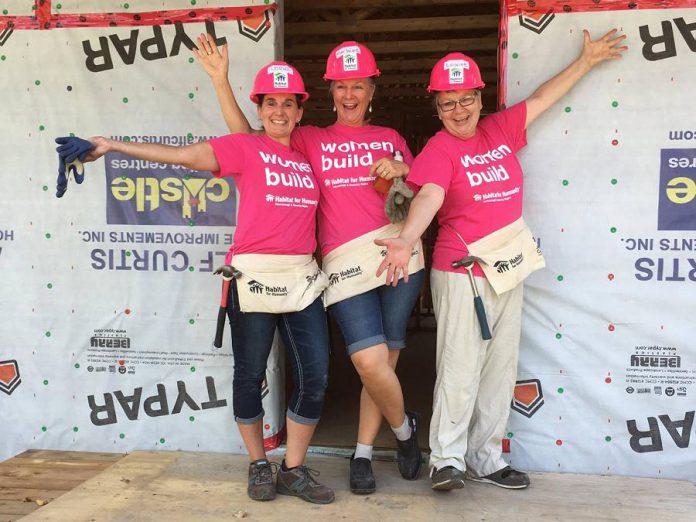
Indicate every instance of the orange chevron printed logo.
{"type": "Point", "coordinates": [9, 376]}
{"type": "Point", "coordinates": [528, 397]}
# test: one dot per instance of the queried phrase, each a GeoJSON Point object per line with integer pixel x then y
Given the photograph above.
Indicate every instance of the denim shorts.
{"type": "Point", "coordinates": [378, 316]}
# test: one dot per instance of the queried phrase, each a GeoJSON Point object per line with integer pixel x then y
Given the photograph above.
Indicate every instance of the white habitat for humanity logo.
{"type": "Point", "coordinates": [456, 70]}
{"type": "Point", "coordinates": [281, 74]}
{"type": "Point", "coordinates": [350, 57]}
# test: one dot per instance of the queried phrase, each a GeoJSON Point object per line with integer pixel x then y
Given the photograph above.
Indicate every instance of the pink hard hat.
{"type": "Point", "coordinates": [453, 72]}
{"type": "Point", "coordinates": [350, 60]}
{"type": "Point", "coordinates": [278, 77]}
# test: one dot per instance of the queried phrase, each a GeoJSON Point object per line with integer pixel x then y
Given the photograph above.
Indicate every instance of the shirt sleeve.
{"type": "Point", "coordinates": [403, 147]}
{"type": "Point", "coordinates": [229, 152]}
{"type": "Point", "coordinates": [300, 138]}
{"type": "Point", "coordinates": [432, 165]}
{"type": "Point", "coordinates": [510, 123]}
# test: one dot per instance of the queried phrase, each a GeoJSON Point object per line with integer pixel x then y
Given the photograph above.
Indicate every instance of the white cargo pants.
{"type": "Point", "coordinates": [475, 378]}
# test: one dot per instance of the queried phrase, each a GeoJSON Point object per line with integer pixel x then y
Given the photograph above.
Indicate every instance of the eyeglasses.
{"type": "Point", "coordinates": [449, 105]}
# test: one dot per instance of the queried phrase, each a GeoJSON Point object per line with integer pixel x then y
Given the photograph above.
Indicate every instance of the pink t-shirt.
{"type": "Point", "coordinates": [278, 195]}
{"type": "Point", "coordinates": [341, 157]}
{"type": "Point", "coordinates": [482, 179]}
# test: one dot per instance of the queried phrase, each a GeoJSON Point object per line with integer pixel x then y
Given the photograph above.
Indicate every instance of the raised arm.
{"type": "Point", "coordinates": [593, 52]}
{"type": "Point", "coordinates": [199, 156]}
{"type": "Point", "coordinates": [215, 61]}
{"type": "Point", "coordinates": [423, 209]}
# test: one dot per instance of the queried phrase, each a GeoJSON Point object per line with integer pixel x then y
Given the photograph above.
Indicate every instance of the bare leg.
{"type": "Point", "coordinates": [252, 435]}
{"type": "Point", "coordinates": [380, 381]}
{"type": "Point", "coordinates": [370, 415]}
{"type": "Point", "coordinates": [299, 436]}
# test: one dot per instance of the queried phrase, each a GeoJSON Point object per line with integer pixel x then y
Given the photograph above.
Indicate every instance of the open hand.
{"type": "Point", "coordinates": [608, 47]}
{"type": "Point", "coordinates": [396, 261]}
{"type": "Point", "coordinates": [214, 59]}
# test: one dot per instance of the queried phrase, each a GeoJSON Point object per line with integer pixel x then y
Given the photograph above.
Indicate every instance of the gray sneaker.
{"type": "Point", "coordinates": [299, 482]}
{"type": "Point", "coordinates": [261, 485]}
{"type": "Point", "coordinates": [507, 478]}
{"type": "Point", "coordinates": [447, 478]}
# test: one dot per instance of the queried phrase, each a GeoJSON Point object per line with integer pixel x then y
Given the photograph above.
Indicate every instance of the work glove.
{"type": "Point", "coordinates": [398, 201]}
{"type": "Point", "coordinates": [71, 154]}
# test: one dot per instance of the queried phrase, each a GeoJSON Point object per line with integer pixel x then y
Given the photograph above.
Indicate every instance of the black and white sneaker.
{"type": "Point", "coordinates": [408, 453]}
{"type": "Point", "coordinates": [362, 480]}
{"type": "Point", "coordinates": [447, 478]}
{"type": "Point", "coordinates": [507, 478]}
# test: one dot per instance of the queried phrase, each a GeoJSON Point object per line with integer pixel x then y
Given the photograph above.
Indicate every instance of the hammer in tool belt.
{"type": "Point", "coordinates": [228, 273]}
{"type": "Point", "coordinates": [468, 263]}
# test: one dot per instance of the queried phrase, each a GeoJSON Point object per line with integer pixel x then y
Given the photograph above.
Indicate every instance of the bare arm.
{"type": "Point", "coordinates": [215, 61]}
{"type": "Point", "coordinates": [423, 209]}
{"type": "Point", "coordinates": [199, 156]}
{"type": "Point", "coordinates": [593, 52]}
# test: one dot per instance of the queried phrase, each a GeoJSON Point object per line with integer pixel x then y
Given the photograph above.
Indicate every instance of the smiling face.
{"type": "Point", "coordinates": [351, 99]}
{"type": "Point", "coordinates": [279, 113]}
{"type": "Point", "coordinates": [460, 122]}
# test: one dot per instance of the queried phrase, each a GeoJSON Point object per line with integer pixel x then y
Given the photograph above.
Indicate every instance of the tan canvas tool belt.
{"type": "Point", "coordinates": [277, 284]}
{"type": "Point", "coordinates": [507, 256]}
{"type": "Point", "coordinates": [351, 268]}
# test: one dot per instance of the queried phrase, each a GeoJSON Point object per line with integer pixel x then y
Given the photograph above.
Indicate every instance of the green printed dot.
{"type": "Point", "coordinates": [187, 177]}
{"type": "Point", "coordinates": [42, 127]}
{"type": "Point", "coordinates": [565, 182]}
{"type": "Point", "coordinates": [558, 336]}
{"type": "Point", "coordinates": [49, 285]}
{"type": "Point", "coordinates": [128, 253]}
{"type": "Point", "coordinates": [568, 109]}
{"type": "Point", "coordinates": [48, 334]}
{"type": "Point", "coordinates": [266, 2]}
{"type": "Point", "coordinates": [607, 438]}
{"type": "Point", "coordinates": [190, 95]}
{"type": "Point", "coordinates": [44, 429]}
{"type": "Point", "coordinates": [515, 56]}
{"type": "Point", "coordinates": [192, 418]}
{"type": "Point", "coordinates": [33, 7]}
{"type": "Point", "coordinates": [77, 365]}
{"type": "Point", "coordinates": [191, 321]}
{"type": "Point", "coordinates": [191, 269]}
{"type": "Point", "coordinates": [126, 139]}
{"type": "Point", "coordinates": [614, 103]}
{"type": "Point", "coordinates": [509, 435]}
{"type": "Point", "coordinates": [162, 441]}
{"type": "Point", "coordinates": [193, 2]}
{"type": "Point", "coordinates": [191, 60]}
{"type": "Point", "coordinates": [124, 178]}
{"type": "Point", "coordinates": [59, 6]}
{"type": "Point", "coordinates": [125, 100]}
{"type": "Point", "coordinates": [45, 188]}
{"type": "Point", "coordinates": [72, 134]}
{"type": "Point", "coordinates": [121, 435]}
{"type": "Point", "coordinates": [612, 230]}
{"type": "Point", "coordinates": [45, 382]}
{"type": "Point", "coordinates": [189, 136]}
{"type": "Point", "coordinates": [559, 278]}
{"type": "Point", "coordinates": [614, 181]}
{"type": "Point", "coordinates": [5, 11]}
{"type": "Point", "coordinates": [37, 82]}
{"type": "Point", "coordinates": [560, 390]}
{"type": "Point", "coordinates": [191, 222]}
{"type": "Point", "coordinates": [126, 6]}
{"type": "Point", "coordinates": [48, 235]}
{"type": "Point", "coordinates": [193, 369]}
{"type": "Point", "coordinates": [76, 429]}
{"type": "Point", "coordinates": [3, 57]}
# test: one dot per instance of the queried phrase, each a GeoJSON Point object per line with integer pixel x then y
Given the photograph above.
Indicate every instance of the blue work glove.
{"type": "Point", "coordinates": [71, 154]}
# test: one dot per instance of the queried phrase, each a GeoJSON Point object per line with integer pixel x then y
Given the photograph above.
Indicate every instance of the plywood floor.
{"type": "Point", "coordinates": [182, 486]}
{"type": "Point", "coordinates": [38, 477]}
